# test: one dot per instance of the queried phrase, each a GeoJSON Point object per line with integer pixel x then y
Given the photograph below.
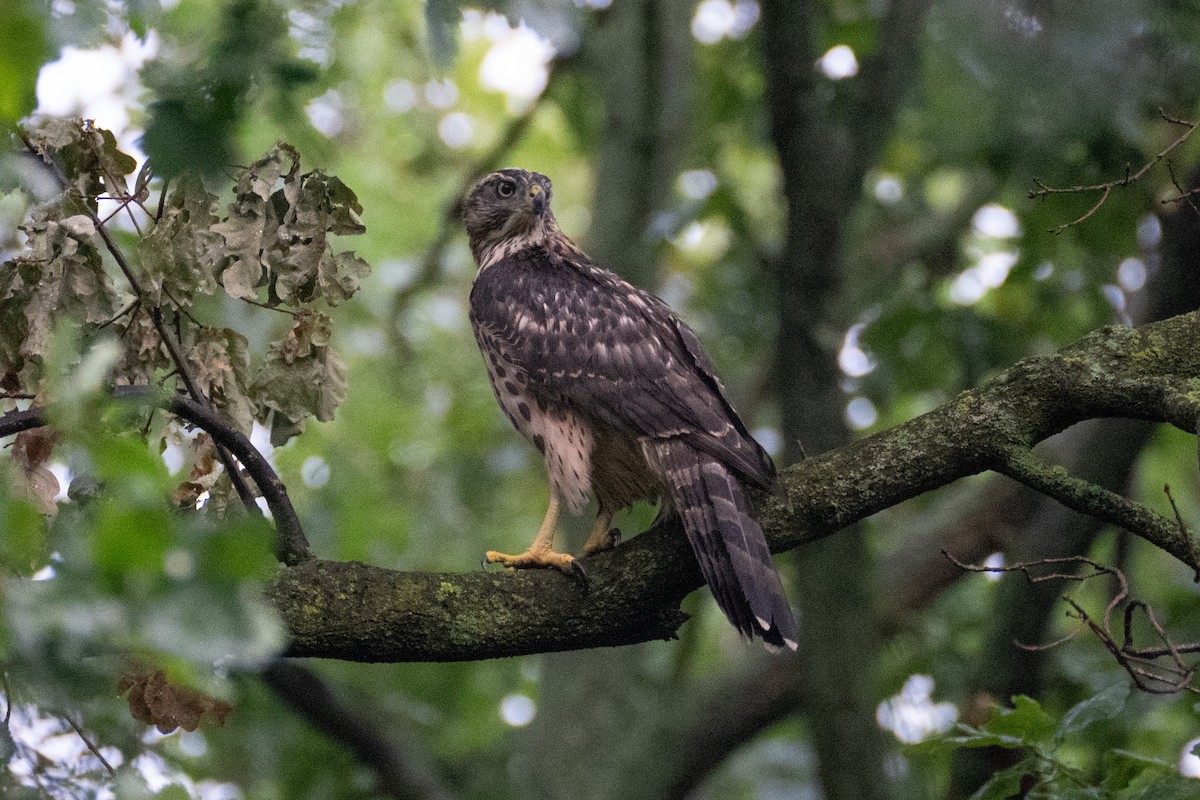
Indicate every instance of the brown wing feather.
{"type": "Point", "coordinates": [591, 340]}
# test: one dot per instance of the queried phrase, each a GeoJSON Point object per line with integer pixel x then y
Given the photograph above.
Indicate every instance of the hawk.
{"type": "Point", "coordinates": [618, 395]}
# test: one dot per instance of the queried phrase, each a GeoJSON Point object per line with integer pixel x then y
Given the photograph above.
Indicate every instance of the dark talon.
{"type": "Point", "coordinates": [577, 571]}
{"type": "Point", "coordinates": [483, 562]}
{"type": "Point", "coordinates": [614, 537]}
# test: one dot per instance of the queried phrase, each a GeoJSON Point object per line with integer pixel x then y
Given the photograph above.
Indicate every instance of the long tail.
{"type": "Point", "coordinates": [728, 543]}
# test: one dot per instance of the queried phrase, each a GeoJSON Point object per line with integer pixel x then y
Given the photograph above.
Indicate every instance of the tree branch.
{"type": "Point", "coordinates": [1105, 189]}
{"type": "Point", "coordinates": [306, 694]}
{"type": "Point", "coordinates": [164, 333]}
{"type": "Point", "coordinates": [358, 612]}
{"type": "Point", "coordinates": [1088, 498]}
{"type": "Point", "coordinates": [291, 546]}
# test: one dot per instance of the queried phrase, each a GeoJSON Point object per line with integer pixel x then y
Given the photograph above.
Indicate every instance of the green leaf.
{"type": "Point", "coordinates": [173, 792]}
{"type": "Point", "coordinates": [1003, 785]}
{"type": "Point", "coordinates": [441, 28]}
{"type": "Point", "coordinates": [236, 550]}
{"type": "Point", "coordinates": [131, 540]}
{"type": "Point", "coordinates": [1171, 786]}
{"type": "Point", "coordinates": [1026, 720]}
{"type": "Point", "coordinates": [967, 737]}
{"type": "Point", "coordinates": [7, 746]}
{"type": "Point", "coordinates": [1125, 769]}
{"type": "Point", "coordinates": [24, 47]}
{"type": "Point", "coordinates": [207, 623]}
{"type": "Point", "coordinates": [1104, 705]}
{"type": "Point", "coordinates": [22, 535]}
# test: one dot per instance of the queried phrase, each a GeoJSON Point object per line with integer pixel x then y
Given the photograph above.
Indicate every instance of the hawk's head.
{"type": "Point", "coordinates": [505, 205]}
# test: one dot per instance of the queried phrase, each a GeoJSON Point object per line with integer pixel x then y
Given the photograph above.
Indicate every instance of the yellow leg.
{"type": "Point", "coordinates": [602, 537]}
{"type": "Point", "coordinates": [541, 550]}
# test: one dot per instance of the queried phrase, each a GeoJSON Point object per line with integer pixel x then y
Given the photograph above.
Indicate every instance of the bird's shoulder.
{"type": "Point", "coordinates": [581, 332]}
{"type": "Point", "coordinates": [555, 287]}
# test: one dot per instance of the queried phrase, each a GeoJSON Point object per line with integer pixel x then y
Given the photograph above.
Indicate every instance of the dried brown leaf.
{"type": "Point", "coordinates": [220, 363]}
{"type": "Point", "coordinates": [154, 700]}
{"type": "Point", "coordinates": [31, 450]}
{"type": "Point", "coordinates": [182, 252]}
{"type": "Point", "coordinates": [302, 376]}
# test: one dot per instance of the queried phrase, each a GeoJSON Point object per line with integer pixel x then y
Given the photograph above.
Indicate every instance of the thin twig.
{"type": "Point", "coordinates": [162, 200]}
{"type": "Point", "coordinates": [280, 309]}
{"type": "Point", "coordinates": [1185, 533]}
{"type": "Point", "coordinates": [95, 750]}
{"type": "Point", "coordinates": [1185, 195]}
{"type": "Point", "coordinates": [164, 333]}
{"type": "Point", "coordinates": [1143, 665]}
{"type": "Point", "coordinates": [180, 307]}
{"type": "Point", "coordinates": [8, 700]}
{"type": "Point", "coordinates": [1106, 188]}
{"type": "Point", "coordinates": [132, 305]}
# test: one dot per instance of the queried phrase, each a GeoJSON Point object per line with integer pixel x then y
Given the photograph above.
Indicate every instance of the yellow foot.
{"type": "Point", "coordinates": [544, 559]}
{"type": "Point", "coordinates": [602, 539]}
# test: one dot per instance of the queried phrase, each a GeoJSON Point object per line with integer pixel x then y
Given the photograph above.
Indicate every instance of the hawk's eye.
{"type": "Point", "coordinates": [506, 188]}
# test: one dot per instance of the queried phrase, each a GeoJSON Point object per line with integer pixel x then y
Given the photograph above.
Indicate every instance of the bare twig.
{"type": "Point", "coordinates": [162, 200]}
{"type": "Point", "coordinates": [1184, 532]}
{"type": "Point", "coordinates": [179, 307]}
{"type": "Point", "coordinates": [279, 309]}
{"type": "Point", "coordinates": [1144, 666]}
{"type": "Point", "coordinates": [1185, 195]}
{"type": "Point", "coordinates": [132, 305]}
{"type": "Point", "coordinates": [90, 746]}
{"type": "Point", "coordinates": [1106, 188]}
{"type": "Point", "coordinates": [8, 700]}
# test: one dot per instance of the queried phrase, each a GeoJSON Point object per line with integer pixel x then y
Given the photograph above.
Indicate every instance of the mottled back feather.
{"type": "Point", "coordinates": [588, 338]}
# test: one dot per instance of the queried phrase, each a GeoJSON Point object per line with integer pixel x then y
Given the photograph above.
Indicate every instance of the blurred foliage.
{"type": "Point", "coordinates": [1046, 770]}
{"type": "Point", "coordinates": [23, 43]}
{"type": "Point", "coordinates": [198, 105]}
{"type": "Point", "coordinates": [413, 467]}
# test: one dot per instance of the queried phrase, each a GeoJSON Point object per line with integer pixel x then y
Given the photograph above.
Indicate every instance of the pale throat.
{"type": "Point", "coordinates": [515, 236]}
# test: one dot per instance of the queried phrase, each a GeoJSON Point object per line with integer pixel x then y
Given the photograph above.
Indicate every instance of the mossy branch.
{"type": "Point", "coordinates": [358, 612]}
{"type": "Point", "coordinates": [1088, 498]}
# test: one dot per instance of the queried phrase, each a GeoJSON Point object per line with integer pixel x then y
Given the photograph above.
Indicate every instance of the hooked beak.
{"type": "Point", "coordinates": [537, 200]}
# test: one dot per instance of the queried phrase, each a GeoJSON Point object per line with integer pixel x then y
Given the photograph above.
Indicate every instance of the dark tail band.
{"type": "Point", "coordinates": [728, 543]}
